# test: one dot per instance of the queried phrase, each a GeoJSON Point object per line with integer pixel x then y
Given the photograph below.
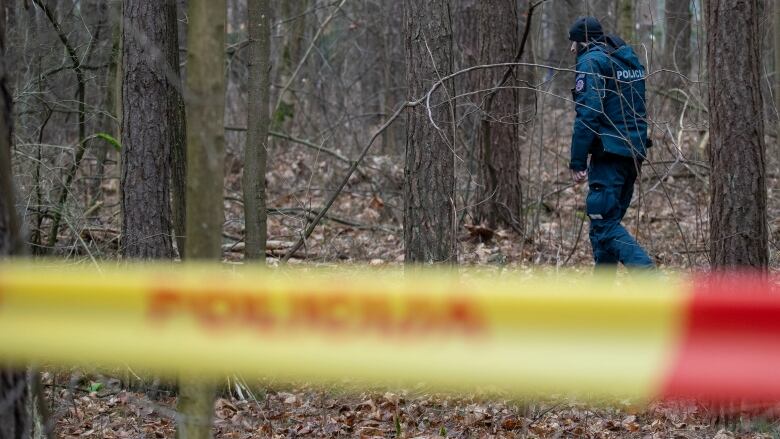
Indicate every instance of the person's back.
{"type": "Point", "coordinates": [625, 106]}
{"type": "Point", "coordinates": [610, 97]}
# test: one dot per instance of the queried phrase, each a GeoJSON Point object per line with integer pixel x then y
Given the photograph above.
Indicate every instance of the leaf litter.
{"type": "Point", "coordinates": [301, 410]}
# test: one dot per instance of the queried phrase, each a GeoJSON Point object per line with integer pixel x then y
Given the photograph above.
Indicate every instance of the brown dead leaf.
{"type": "Point", "coordinates": [376, 203]}
{"type": "Point", "coordinates": [630, 423]}
{"type": "Point", "coordinates": [306, 429]}
{"type": "Point", "coordinates": [224, 409]}
{"type": "Point", "coordinates": [368, 405]}
{"type": "Point", "coordinates": [541, 429]}
{"type": "Point", "coordinates": [266, 428]}
{"type": "Point", "coordinates": [511, 423]}
{"type": "Point", "coordinates": [371, 432]}
{"type": "Point", "coordinates": [392, 398]}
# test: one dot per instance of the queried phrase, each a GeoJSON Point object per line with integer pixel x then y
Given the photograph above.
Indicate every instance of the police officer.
{"type": "Point", "coordinates": [611, 128]}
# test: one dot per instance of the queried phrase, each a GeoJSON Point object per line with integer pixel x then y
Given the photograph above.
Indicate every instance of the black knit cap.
{"type": "Point", "coordinates": [585, 29]}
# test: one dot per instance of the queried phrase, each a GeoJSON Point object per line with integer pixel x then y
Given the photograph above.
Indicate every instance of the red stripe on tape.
{"type": "Point", "coordinates": [731, 343]}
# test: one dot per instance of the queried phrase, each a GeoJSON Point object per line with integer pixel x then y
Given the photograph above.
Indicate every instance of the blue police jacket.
{"type": "Point", "coordinates": [609, 96]}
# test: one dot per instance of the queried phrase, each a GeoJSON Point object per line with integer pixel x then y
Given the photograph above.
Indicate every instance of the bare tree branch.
{"type": "Point", "coordinates": [313, 224]}
{"type": "Point", "coordinates": [81, 145]}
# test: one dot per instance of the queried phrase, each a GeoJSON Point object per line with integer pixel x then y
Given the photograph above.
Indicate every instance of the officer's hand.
{"type": "Point", "coordinates": [579, 176]}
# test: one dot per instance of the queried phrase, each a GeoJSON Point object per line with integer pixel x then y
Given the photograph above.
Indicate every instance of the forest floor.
{"type": "Point", "coordinates": [88, 409]}
{"type": "Point", "coordinates": [364, 227]}
{"type": "Point", "coordinates": [669, 215]}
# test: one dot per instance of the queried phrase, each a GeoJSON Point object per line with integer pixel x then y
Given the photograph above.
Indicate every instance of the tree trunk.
{"type": "Point", "coordinates": [738, 225]}
{"type": "Point", "coordinates": [205, 130]}
{"type": "Point", "coordinates": [14, 417]}
{"type": "Point", "coordinates": [466, 40]}
{"type": "Point", "coordinates": [392, 73]}
{"type": "Point", "coordinates": [102, 18]}
{"type": "Point", "coordinates": [500, 194]}
{"type": "Point", "coordinates": [677, 43]}
{"type": "Point", "coordinates": [205, 175]}
{"type": "Point", "coordinates": [777, 62]}
{"type": "Point", "coordinates": [429, 178]}
{"type": "Point", "coordinates": [10, 235]}
{"type": "Point", "coordinates": [677, 46]}
{"type": "Point", "coordinates": [147, 128]}
{"type": "Point", "coordinates": [255, 212]}
{"type": "Point", "coordinates": [627, 20]}
{"type": "Point", "coordinates": [465, 29]}
{"type": "Point", "coordinates": [179, 128]}
{"type": "Point", "coordinates": [296, 16]}
{"type": "Point", "coordinates": [562, 15]}
{"type": "Point", "coordinates": [9, 227]}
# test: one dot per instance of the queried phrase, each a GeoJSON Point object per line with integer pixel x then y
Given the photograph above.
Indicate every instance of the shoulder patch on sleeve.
{"type": "Point", "coordinates": [579, 83]}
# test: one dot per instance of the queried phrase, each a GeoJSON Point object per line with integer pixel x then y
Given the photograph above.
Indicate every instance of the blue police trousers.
{"type": "Point", "coordinates": [611, 185]}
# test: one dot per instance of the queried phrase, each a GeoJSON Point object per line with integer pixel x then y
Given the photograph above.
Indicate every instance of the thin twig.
{"type": "Point", "coordinates": [576, 241]}
{"type": "Point", "coordinates": [303, 142]}
{"type": "Point", "coordinates": [346, 178]}
{"type": "Point", "coordinates": [311, 214]}
{"type": "Point", "coordinates": [81, 145]}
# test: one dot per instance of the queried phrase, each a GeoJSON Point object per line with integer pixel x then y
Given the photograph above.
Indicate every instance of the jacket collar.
{"type": "Point", "coordinates": [593, 45]}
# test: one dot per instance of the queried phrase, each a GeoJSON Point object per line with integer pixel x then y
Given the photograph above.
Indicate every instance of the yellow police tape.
{"type": "Point", "coordinates": [450, 331]}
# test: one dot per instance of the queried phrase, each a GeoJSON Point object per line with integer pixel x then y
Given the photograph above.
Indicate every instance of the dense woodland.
{"type": "Point", "coordinates": [370, 132]}
{"type": "Point", "coordinates": [102, 98]}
